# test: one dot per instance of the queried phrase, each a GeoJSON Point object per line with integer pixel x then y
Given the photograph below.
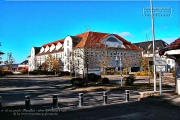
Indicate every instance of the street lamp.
{"type": "Point", "coordinates": [153, 39]}
{"type": "Point", "coordinates": [148, 68]}
{"type": "Point", "coordinates": [120, 65]}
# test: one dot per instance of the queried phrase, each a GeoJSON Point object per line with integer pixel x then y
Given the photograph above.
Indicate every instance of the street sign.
{"type": "Point", "coordinates": [160, 68]}
{"type": "Point", "coordinates": [160, 61]}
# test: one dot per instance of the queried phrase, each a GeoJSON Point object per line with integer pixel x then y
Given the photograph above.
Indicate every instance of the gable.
{"type": "Point", "coordinates": [112, 41]}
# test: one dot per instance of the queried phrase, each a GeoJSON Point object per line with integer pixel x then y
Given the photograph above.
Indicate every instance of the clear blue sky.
{"type": "Point", "coordinates": [24, 23]}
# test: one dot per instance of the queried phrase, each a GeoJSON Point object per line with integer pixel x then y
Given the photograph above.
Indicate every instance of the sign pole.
{"type": "Point", "coordinates": [121, 71]}
{"type": "Point", "coordinates": [160, 83]}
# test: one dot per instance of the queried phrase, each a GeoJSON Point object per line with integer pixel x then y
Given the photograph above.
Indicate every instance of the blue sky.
{"type": "Point", "coordinates": [24, 23]}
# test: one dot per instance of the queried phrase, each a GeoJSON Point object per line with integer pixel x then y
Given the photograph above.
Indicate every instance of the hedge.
{"type": "Point", "coordinates": [77, 82]}
{"type": "Point", "coordinates": [93, 77]}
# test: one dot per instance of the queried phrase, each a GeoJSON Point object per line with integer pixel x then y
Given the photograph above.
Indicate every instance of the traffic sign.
{"type": "Point", "coordinates": [160, 68]}
{"type": "Point", "coordinates": [160, 61]}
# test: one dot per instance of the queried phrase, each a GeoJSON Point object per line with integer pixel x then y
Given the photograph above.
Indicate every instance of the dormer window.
{"type": "Point", "coordinates": [42, 50]}
{"type": "Point", "coordinates": [112, 41]}
{"type": "Point", "coordinates": [47, 48]}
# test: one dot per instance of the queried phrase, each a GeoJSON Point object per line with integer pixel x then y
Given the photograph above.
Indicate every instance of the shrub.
{"type": "Point", "coordinates": [174, 73]}
{"type": "Point", "coordinates": [34, 72]}
{"type": "Point", "coordinates": [105, 80]}
{"type": "Point", "coordinates": [1, 72]}
{"type": "Point", "coordinates": [129, 80]}
{"type": "Point", "coordinates": [78, 82]}
{"type": "Point", "coordinates": [143, 73]}
{"type": "Point", "coordinates": [23, 72]}
{"type": "Point", "coordinates": [110, 72]}
{"type": "Point", "coordinates": [41, 72]}
{"type": "Point", "coordinates": [7, 73]}
{"type": "Point", "coordinates": [51, 72]}
{"type": "Point", "coordinates": [93, 77]}
{"type": "Point", "coordinates": [63, 73]}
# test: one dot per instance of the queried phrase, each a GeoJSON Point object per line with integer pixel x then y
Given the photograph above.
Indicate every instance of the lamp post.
{"type": "Point", "coordinates": [148, 68]}
{"type": "Point", "coordinates": [153, 39]}
{"type": "Point", "coordinates": [120, 65]}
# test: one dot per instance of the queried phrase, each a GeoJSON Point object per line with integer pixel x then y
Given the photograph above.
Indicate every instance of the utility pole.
{"type": "Point", "coordinates": [153, 38]}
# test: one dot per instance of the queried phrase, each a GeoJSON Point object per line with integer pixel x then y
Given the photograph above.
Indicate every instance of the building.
{"type": "Point", "coordinates": [23, 66]}
{"type": "Point", "coordinates": [16, 68]}
{"type": "Point", "coordinates": [172, 51]}
{"type": "Point", "coordinates": [92, 51]}
{"type": "Point", "coordinates": [13, 68]}
{"type": "Point", "coordinates": [147, 51]}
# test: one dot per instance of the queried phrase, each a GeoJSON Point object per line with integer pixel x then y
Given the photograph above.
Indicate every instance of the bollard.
{"type": "Point", "coordinates": [80, 99]}
{"type": "Point", "coordinates": [55, 101]}
{"type": "Point", "coordinates": [104, 98]}
{"type": "Point", "coordinates": [0, 102]}
{"type": "Point", "coordinates": [127, 95]}
{"type": "Point", "coordinates": [27, 102]}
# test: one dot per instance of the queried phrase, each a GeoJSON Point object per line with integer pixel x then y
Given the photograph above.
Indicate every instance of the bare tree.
{"type": "Point", "coordinates": [127, 62]}
{"type": "Point", "coordinates": [44, 66]}
{"type": "Point", "coordinates": [49, 61]}
{"type": "Point", "coordinates": [9, 61]}
{"type": "Point", "coordinates": [104, 59]}
{"type": "Point", "coordinates": [88, 55]}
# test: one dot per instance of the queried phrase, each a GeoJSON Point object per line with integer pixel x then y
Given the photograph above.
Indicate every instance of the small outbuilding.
{"type": "Point", "coordinates": [173, 51]}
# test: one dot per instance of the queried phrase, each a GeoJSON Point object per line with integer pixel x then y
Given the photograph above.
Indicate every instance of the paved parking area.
{"type": "Point", "coordinates": [14, 88]}
{"type": "Point", "coordinates": [41, 88]}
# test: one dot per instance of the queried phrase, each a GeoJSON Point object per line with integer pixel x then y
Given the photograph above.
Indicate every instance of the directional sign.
{"type": "Point", "coordinates": [160, 68]}
{"type": "Point", "coordinates": [160, 61]}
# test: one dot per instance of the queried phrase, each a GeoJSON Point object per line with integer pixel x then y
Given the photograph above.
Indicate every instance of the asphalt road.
{"type": "Point", "coordinates": [14, 88]}
{"type": "Point", "coordinates": [141, 110]}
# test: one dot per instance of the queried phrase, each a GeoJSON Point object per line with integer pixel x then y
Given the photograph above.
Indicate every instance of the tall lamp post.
{"type": "Point", "coordinates": [153, 39]}
{"type": "Point", "coordinates": [148, 68]}
{"type": "Point", "coordinates": [120, 65]}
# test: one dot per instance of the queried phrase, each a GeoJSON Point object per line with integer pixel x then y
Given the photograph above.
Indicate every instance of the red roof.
{"type": "Point", "coordinates": [89, 39]}
{"type": "Point", "coordinates": [174, 44]}
{"type": "Point", "coordinates": [53, 51]}
{"type": "Point", "coordinates": [55, 43]}
{"type": "Point", "coordinates": [92, 38]}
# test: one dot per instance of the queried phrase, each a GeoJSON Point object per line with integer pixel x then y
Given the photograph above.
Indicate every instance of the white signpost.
{"type": "Point", "coordinates": [160, 68]}
{"type": "Point", "coordinates": [160, 61]}
{"type": "Point", "coordinates": [160, 64]}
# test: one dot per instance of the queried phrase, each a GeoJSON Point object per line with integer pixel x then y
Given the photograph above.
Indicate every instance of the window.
{"type": "Point", "coordinates": [169, 61]}
{"type": "Point", "coordinates": [68, 66]}
{"type": "Point", "coordinates": [78, 62]}
{"type": "Point", "coordinates": [67, 42]}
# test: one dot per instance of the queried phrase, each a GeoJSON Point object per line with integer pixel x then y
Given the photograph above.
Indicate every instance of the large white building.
{"type": "Point", "coordinates": [88, 49]}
